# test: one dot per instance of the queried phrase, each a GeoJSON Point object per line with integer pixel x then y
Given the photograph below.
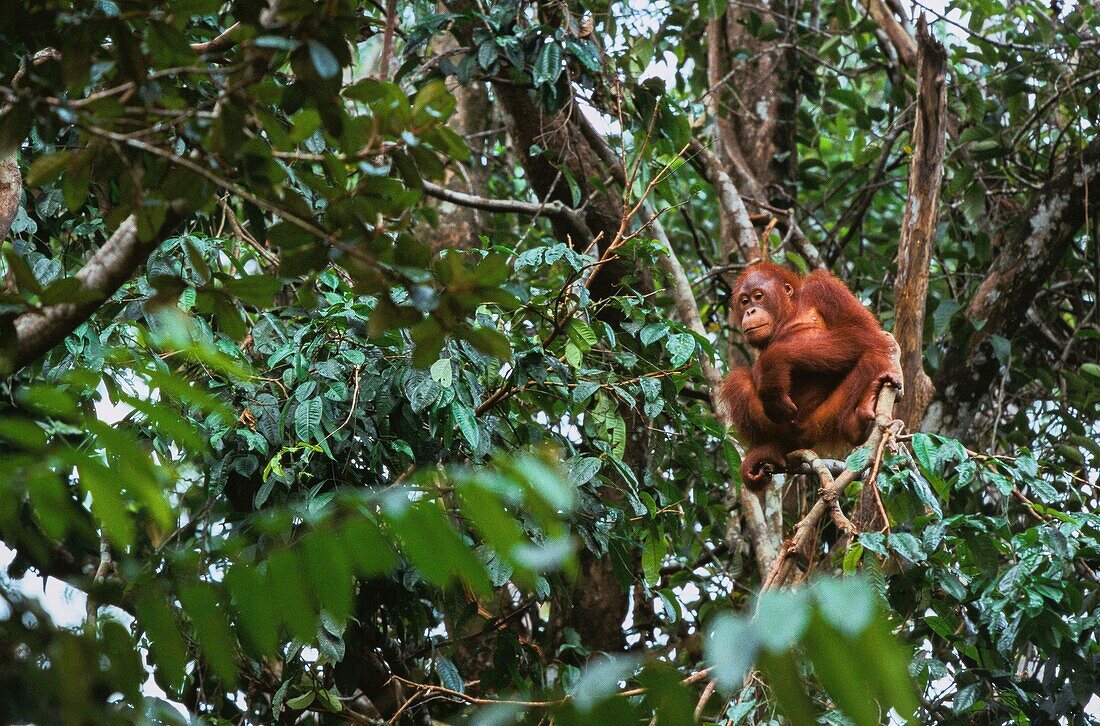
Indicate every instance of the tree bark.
{"type": "Point", "coordinates": [899, 37]}
{"type": "Point", "coordinates": [918, 228]}
{"type": "Point", "coordinates": [461, 226]}
{"type": "Point", "coordinates": [1031, 251]}
{"type": "Point", "coordinates": [11, 189]}
{"type": "Point", "coordinates": [755, 100]}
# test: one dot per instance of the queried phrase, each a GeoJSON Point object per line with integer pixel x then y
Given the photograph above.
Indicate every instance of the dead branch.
{"type": "Point", "coordinates": [918, 228]}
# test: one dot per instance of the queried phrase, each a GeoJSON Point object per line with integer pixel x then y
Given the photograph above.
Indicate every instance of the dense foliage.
{"type": "Point", "coordinates": [413, 423]}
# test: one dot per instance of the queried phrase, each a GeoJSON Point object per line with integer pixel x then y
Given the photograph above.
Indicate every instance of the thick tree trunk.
{"type": "Point", "coordinates": [11, 189]}
{"type": "Point", "coordinates": [754, 101]}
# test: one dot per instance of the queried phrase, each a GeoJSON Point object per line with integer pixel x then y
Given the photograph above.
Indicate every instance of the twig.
{"type": "Point", "coordinates": [223, 41]}
{"type": "Point", "coordinates": [707, 693]}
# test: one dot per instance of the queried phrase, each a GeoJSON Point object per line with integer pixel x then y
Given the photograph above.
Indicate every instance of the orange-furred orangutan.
{"type": "Point", "coordinates": [823, 360]}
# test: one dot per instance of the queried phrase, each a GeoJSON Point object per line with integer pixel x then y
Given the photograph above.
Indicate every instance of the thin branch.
{"type": "Point", "coordinates": [686, 307]}
{"type": "Point", "coordinates": [222, 42]}
{"type": "Point", "coordinates": [387, 40]}
{"type": "Point", "coordinates": [554, 209]}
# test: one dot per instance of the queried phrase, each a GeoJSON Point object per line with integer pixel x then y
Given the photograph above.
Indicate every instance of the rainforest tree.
{"type": "Point", "coordinates": [359, 360]}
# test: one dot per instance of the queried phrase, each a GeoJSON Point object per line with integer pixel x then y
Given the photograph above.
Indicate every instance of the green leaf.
{"type": "Point", "coordinates": [256, 290]}
{"type": "Point", "coordinates": [323, 60]}
{"type": "Point", "coordinates": [652, 554]}
{"type": "Point", "coordinates": [731, 647]}
{"type": "Point", "coordinates": [285, 571]}
{"type": "Point", "coordinates": [652, 333]}
{"type": "Point", "coordinates": [200, 601]}
{"type": "Point", "coordinates": [371, 552]}
{"type": "Point", "coordinates": [168, 650]}
{"type": "Point", "coordinates": [600, 680]}
{"type": "Point", "coordinates": [107, 503]}
{"type": "Point", "coordinates": [846, 604]}
{"type": "Point", "coordinates": [584, 390]}
{"type": "Point", "coordinates": [24, 276]}
{"type": "Point", "coordinates": [490, 342]}
{"type": "Point", "coordinates": [573, 355]}
{"type": "Point", "coordinates": [47, 168]}
{"type": "Point", "coordinates": [259, 621]}
{"type": "Point", "coordinates": [584, 51]}
{"type": "Point", "coordinates": [857, 461]}
{"type": "Point", "coordinates": [781, 618]}
{"type": "Point", "coordinates": [307, 419]}
{"type": "Point", "coordinates": [301, 702]}
{"type": "Point", "coordinates": [680, 346]}
{"type": "Point", "coordinates": [581, 334]}
{"type": "Point", "coordinates": [907, 546]}
{"type": "Point", "coordinates": [582, 469]}
{"type": "Point", "coordinates": [548, 65]}
{"type": "Point", "coordinates": [841, 672]}
{"type": "Point", "coordinates": [22, 432]}
{"type": "Point", "coordinates": [924, 450]}
{"type": "Point", "coordinates": [467, 424]}
{"type": "Point", "coordinates": [432, 545]}
{"type": "Point", "coordinates": [441, 372]}
{"type": "Point", "coordinates": [448, 674]}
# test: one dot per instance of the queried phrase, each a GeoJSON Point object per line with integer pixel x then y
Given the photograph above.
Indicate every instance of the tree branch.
{"type": "Point", "coordinates": [683, 298]}
{"type": "Point", "coordinates": [918, 226]}
{"type": "Point", "coordinates": [903, 43]}
{"type": "Point", "coordinates": [830, 490]}
{"type": "Point", "coordinates": [222, 42]}
{"type": "Point", "coordinates": [37, 331]}
{"type": "Point", "coordinates": [737, 228]}
{"type": "Point", "coordinates": [554, 209]}
{"type": "Point", "coordinates": [11, 188]}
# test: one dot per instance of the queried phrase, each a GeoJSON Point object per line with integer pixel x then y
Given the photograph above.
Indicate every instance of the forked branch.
{"type": "Point", "coordinates": [830, 491]}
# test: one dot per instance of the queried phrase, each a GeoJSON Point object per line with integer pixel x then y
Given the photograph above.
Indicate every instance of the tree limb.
{"type": "Point", "coordinates": [830, 490]}
{"type": "Point", "coordinates": [554, 209]}
{"type": "Point", "coordinates": [918, 228]}
{"type": "Point", "coordinates": [11, 188]}
{"type": "Point", "coordinates": [903, 43]}
{"type": "Point", "coordinates": [37, 331]}
{"type": "Point", "coordinates": [683, 298]}
{"type": "Point", "coordinates": [737, 228]}
{"type": "Point", "coordinates": [222, 42]}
